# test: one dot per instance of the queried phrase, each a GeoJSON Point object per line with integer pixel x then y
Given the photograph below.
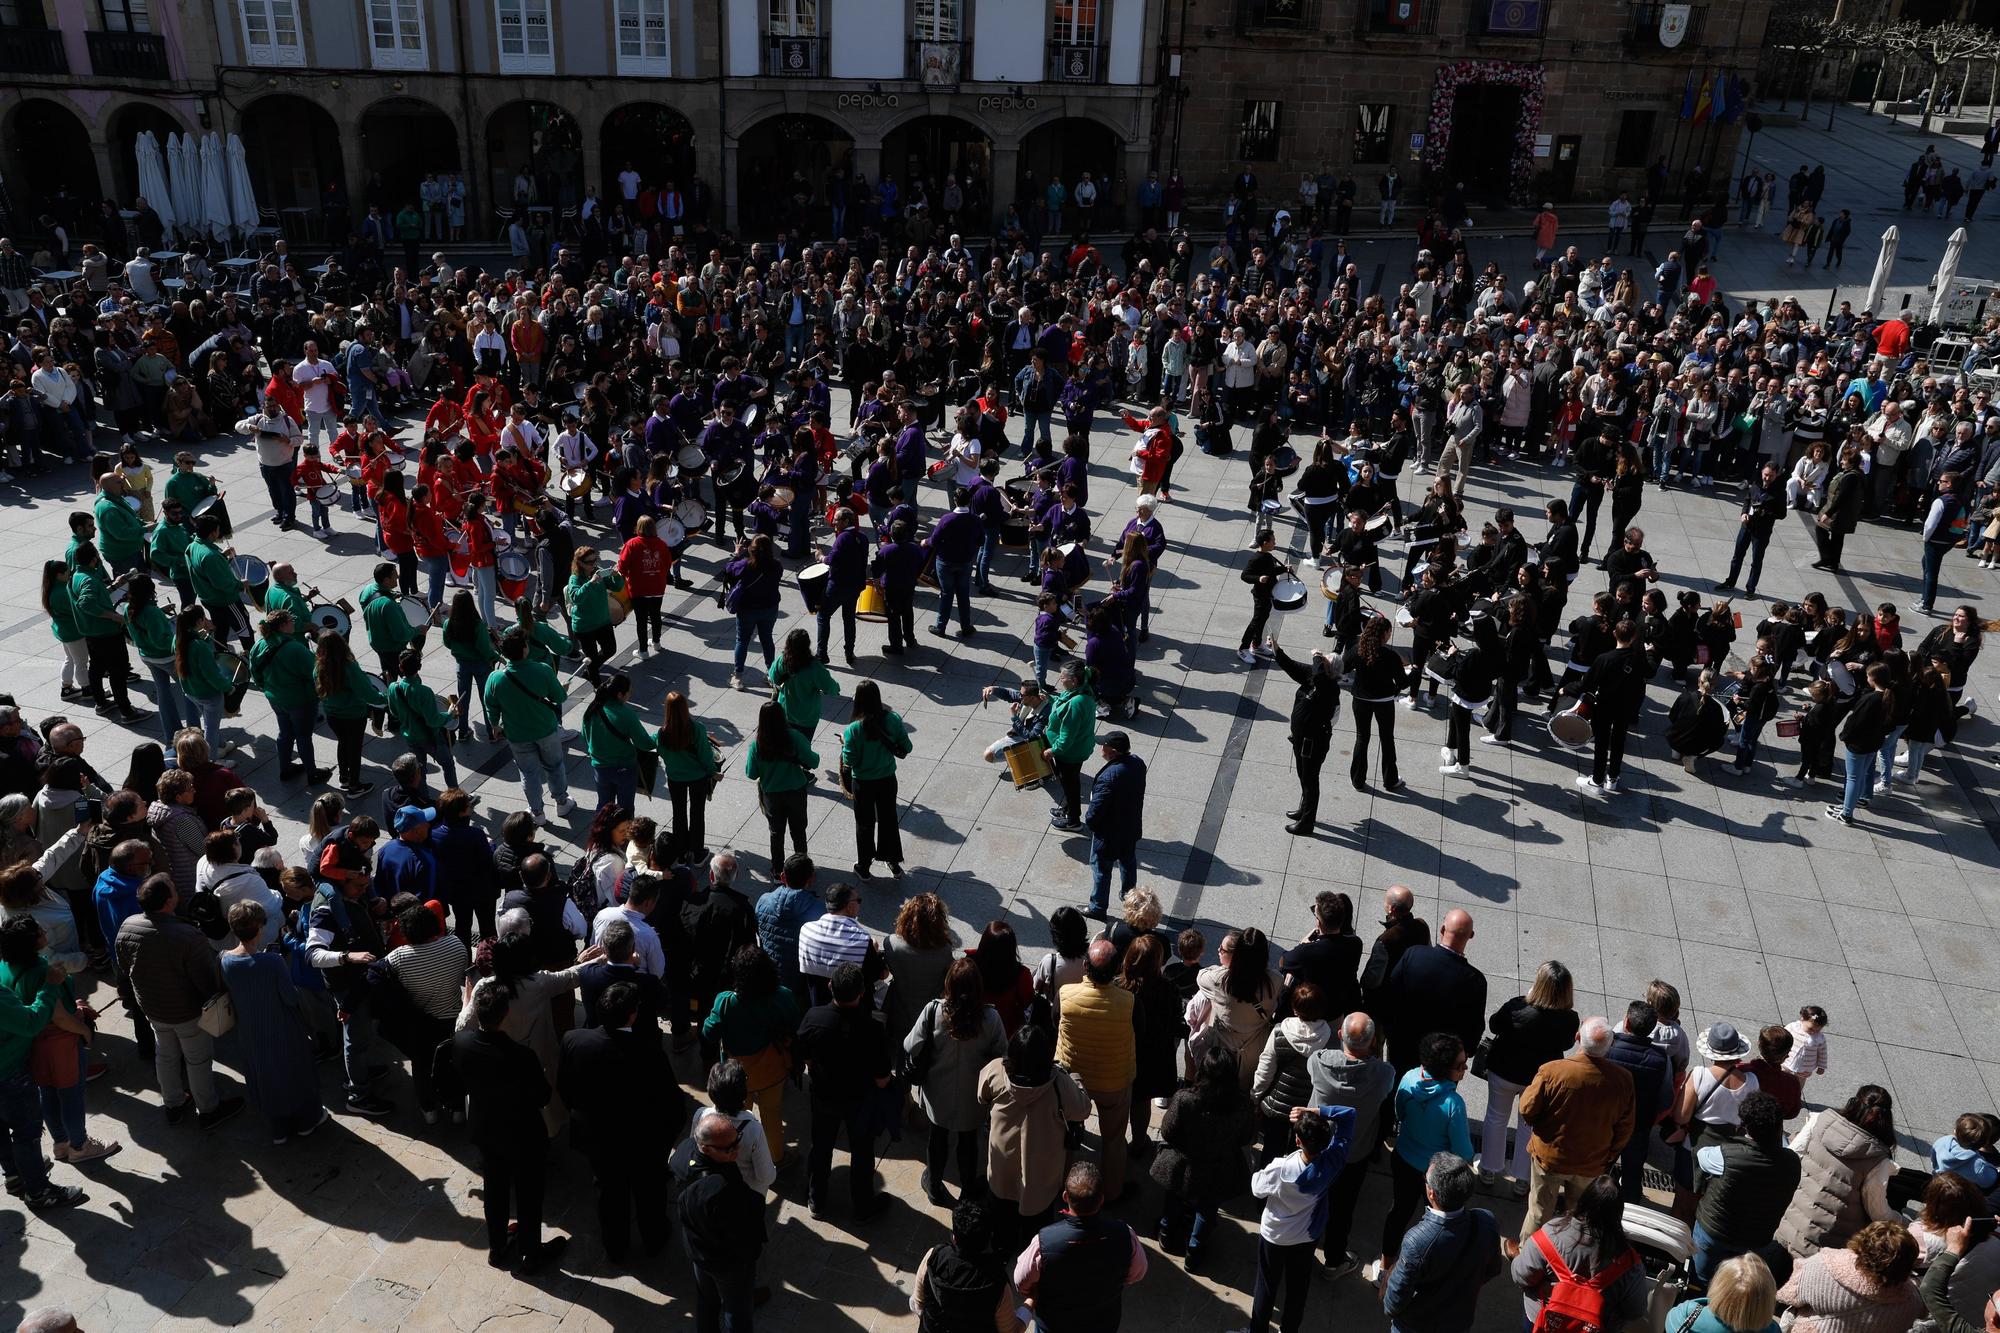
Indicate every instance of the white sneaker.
{"type": "Point", "coordinates": [1612, 788]}
{"type": "Point", "coordinates": [1791, 780]}
{"type": "Point", "coordinates": [1409, 704]}
{"type": "Point", "coordinates": [1490, 739]}
{"type": "Point", "coordinates": [1588, 785]}
{"type": "Point", "coordinates": [1246, 657]}
{"type": "Point", "coordinates": [1160, 1103]}
{"type": "Point", "coordinates": [563, 807]}
{"type": "Point", "coordinates": [1454, 770]}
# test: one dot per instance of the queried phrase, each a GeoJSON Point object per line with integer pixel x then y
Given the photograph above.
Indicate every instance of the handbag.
{"type": "Point", "coordinates": [1480, 1056]}
{"type": "Point", "coordinates": [52, 1061]}
{"type": "Point", "coordinates": [218, 1015]}
{"type": "Point", "coordinates": [915, 1065]}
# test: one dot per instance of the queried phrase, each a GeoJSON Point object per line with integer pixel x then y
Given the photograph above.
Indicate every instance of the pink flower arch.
{"type": "Point", "coordinates": [1532, 80]}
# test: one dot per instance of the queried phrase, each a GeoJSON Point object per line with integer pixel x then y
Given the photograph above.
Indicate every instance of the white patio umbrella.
{"type": "Point", "coordinates": [1885, 265]}
{"type": "Point", "coordinates": [152, 179]}
{"type": "Point", "coordinates": [242, 198]}
{"type": "Point", "coordinates": [1947, 271]}
{"type": "Point", "coordinates": [214, 190]}
{"type": "Point", "coordinates": [184, 173]}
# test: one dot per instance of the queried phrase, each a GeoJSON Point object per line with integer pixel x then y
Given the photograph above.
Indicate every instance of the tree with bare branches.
{"type": "Point", "coordinates": [1936, 46]}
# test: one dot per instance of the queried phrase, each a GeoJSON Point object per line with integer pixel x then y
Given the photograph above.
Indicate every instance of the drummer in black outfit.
{"type": "Point", "coordinates": [1616, 687]}
{"type": "Point", "coordinates": [1314, 709]}
{"type": "Point", "coordinates": [728, 446]}
{"type": "Point", "coordinates": [1560, 557]}
{"type": "Point", "coordinates": [1631, 561]}
{"type": "Point", "coordinates": [1262, 573]}
{"type": "Point", "coordinates": [1354, 545]}
{"type": "Point", "coordinates": [1378, 677]}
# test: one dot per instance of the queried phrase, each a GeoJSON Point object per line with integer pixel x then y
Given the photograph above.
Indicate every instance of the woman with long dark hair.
{"type": "Point", "coordinates": [869, 749]}
{"type": "Point", "coordinates": [347, 695]}
{"type": "Point", "coordinates": [755, 579]}
{"type": "Point", "coordinates": [1379, 676]}
{"type": "Point", "coordinates": [616, 742]}
{"type": "Point", "coordinates": [1589, 1241]}
{"type": "Point", "coordinates": [754, 1021]}
{"type": "Point", "coordinates": [476, 649]}
{"type": "Point", "coordinates": [588, 598]}
{"type": "Point", "coordinates": [954, 1038]}
{"type": "Point", "coordinates": [1201, 1164]}
{"type": "Point", "coordinates": [1007, 984]}
{"type": "Point", "coordinates": [780, 760]}
{"type": "Point", "coordinates": [689, 761]}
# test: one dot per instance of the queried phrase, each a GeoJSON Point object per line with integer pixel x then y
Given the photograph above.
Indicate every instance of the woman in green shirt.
{"type": "Point", "coordinates": [61, 610]}
{"type": "Point", "coordinates": [346, 695]}
{"type": "Point", "coordinates": [801, 681]}
{"type": "Point", "coordinates": [283, 670]}
{"type": "Point", "coordinates": [615, 738]}
{"type": "Point", "coordinates": [147, 626]}
{"type": "Point", "coordinates": [588, 598]}
{"type": "Point", "coordinates": [414, 712]}
{"type": "Point", "coordinates": [780, 761]}
{"type": "Point", "coordinates": [869, 749]}
{"type": "Point", "coordinates": [24, 970]}
{"type": "Point", "coordinates": [476, 648]}
{"type": "Point", "coordinates": [200, 677]}
{"type": "Point", "coordinates": [688, 759]}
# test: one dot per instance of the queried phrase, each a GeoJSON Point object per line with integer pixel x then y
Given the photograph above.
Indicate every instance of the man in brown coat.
{"type": "Point", "coordinates": [1580, 1108]}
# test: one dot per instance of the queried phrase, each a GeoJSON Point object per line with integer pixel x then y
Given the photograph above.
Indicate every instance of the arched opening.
{"type": "Point", "coordinates": [931, 155]}
{"type": "Point", "coordinates": [1063, 150]}
{"type": "Point", "coordinates": [50, 166]}
{"type": "Point", "coordinates": [650, 139]}
{"type": "Point", "coordinates": [404, 140]}
{"type": "Point", "coordinates": [534, 159]}
{"type": "Point", "coordinates": [1485, 124]}
{"type": "Point", "coordinates": [127, 123]}
{"type": "Point", "coordinates": [782, 165]}
{"type": "Point", "coordinates": [292, 148]}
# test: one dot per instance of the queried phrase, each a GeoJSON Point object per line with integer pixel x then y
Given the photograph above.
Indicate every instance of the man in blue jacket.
{"type": "Point", "coordinates": [1446, 1257]}
{"type": "Point", "coordinates": [1117, 802]}
{"type": "Point", "coordinates": [954, 545]}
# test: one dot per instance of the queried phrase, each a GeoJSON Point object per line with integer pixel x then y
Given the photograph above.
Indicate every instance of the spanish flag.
{"type": "Point", "coordinates": [1704, 100]}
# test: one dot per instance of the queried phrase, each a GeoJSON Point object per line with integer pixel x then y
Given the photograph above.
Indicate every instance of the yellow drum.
{"type": "Point", "coordinates": [873, 604]}
{"type": "Point", "coordinates": [1027, 764]}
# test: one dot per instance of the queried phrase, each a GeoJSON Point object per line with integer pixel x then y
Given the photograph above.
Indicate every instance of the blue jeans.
{"type": "Point", "coordinates": [1933, 555]}
{"type": "Point", "coordinates": [1041, 666]}
{"type": "Point", "coordinates": [1036, 421]}
{"type": "Point", "coordinates": [617, 784]}
{"type": "Point", "coordinates": [795, 342]}
{"type": "Point", "coordinates": [295, 733]}
{"type": "Point", "coordinates": [365, 403]}
{"type": "Point", "coordinates": [21, 1124]}
{"type": "Point", "coordinates": [71, 425]}
{"type": "Point", "coordinates": [1860, 779]}
{"type": "Point", "coordinates": [1103, 859]}
{"type": "Point", "coordinates": [470, 687]}
{"type": "Point", "coordinates": [278, 482]}
{"type": "Point", "coordinates": [320, 517]}
{"type": "Point", "coordinates": [1662, 448]}
{"type": "Point", "coordinates": [1710, 1254]}
{"type": "Point", "coordinates": [1746, 540]}
{"type": "Point", "coordinates": [63, 1110]}
{"type": "Point", "coordinates": [1746, 752]}
{"type": "Point", "coordinates": [954, 583]}
{"type": "Point", "coordinates": [984, 560]}
{"type": "Point", "coordinates": [436, 568]}
{"type": "Point", "coordinates": [1885, 758]}
{"type": "Point", "coordinates": [210, 712]}
{"type": "Point", "coordinates": [540, 761]}
{"type": "Point", "coordinates": [758, 623]}
{"type": "Point", "coordinates": [484, 587]}
{"type": "Point", "coordinates": [357, 1038]}
{"type": "Point", "coordinates": [169, 703]}
{"type": "Point", "coordinates": [723, 1299]}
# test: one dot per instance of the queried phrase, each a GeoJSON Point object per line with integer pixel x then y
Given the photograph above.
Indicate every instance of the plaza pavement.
{"type": "Point", "coordinates": [1733, 889]}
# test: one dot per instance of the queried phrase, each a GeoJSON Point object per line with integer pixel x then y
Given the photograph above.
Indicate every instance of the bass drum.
{"type": "Point", "coordinates": [1571, 727]}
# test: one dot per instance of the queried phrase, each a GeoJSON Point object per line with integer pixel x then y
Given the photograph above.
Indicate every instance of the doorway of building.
{"type": "Point", "coordinates": [1485, 118]}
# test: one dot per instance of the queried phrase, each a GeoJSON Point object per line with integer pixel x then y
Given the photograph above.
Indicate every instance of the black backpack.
{"type": "Point", "coordinates": [205, 911]}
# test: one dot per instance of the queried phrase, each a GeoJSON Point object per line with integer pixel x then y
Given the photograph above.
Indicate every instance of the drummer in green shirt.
{"type": "Point", "coordinates": [147, 626]}
{"type": "Point", "coordinates": [588, 597]}
{"type": "Point", "coordinates": [688, 760]}
{"type": "Point", "coordinates": [347, 695]}
{"type": "Point", "coordinates": [103, 630]}
{"type": "Point", "coordinates": [283, 594]}
{"type": "Point", "coordinates": [526, 700]}
{"type": "Point", "coordinates": [60, 608]}
{"type": "Point", "coordinates": [168, 549]}
{"type": "Point", "coordinates": [282, 669]}
{"type": "Point", "coordinates": [82, 532]}
{"type": "Point", "coordinates": [780, 761]}
{"type": "Point", "coordinates": [200, 676]}
{"type": "Point", "coordinates": [414, 712]}
{"type": "Point", "coordinates": [389, 627]}
{"type": "Point", "coordinates": [869, 749]}
{"type": "Point", "coordinates": [617, 742]}
{"type": "Point", "coordinates": [801, 681]}
{"type": "Point", "coordinates": [191, 488]}
{"type": "Point", "coordinates": [474, 646]}
{"type": "Point", "coordinates": [216, 586]}
{"type": "Point", "coordinates": [546, 643]}
{"type": "Point", "coordinates": [121, 537]}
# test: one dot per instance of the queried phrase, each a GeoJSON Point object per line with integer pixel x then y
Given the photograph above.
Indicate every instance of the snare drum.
{"type": "Point", "coordinates": [1329, 583]}
{"type": "Point", "coordinates": [1028, 764]}
{"type": "Point", "coordinates": [330, 616]}
{"type": "Point", "coordinates": [1378, 527]}
{"type": "Point", "coordinates": [577, 482]}
{"type": "Point", "coordinates": [119, 596]}
{"type": "Point", "coordinates": [205, 506]}
{"type": "Point", "coordinates": [1572, 726]}
{"type": "Point", "coordinates": [135, 504]}
{"type": "Point", "coordinates": [1404, 618]}
{"type": "Point", "coordinates": [692, 514]}
{"type": "Point", "coordinates": [1289, 595]}
{"type": "Point", "coordinates": [672, 533]}
{"type": "Point", "coordinates": [511, 571]}
{"type": "Point", "coordinates": [690, 460]}
{"type": "Point", "coordinates": [414, 611]}
{"type": "Point", "coordinates": [781, 497]}
{"type": "Point", "coordinates": [252, 573]}
{"type": "Point", "coordinates": [326, 494]}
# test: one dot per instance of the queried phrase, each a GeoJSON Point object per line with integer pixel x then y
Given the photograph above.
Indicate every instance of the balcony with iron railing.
{"type": "Point", "coordinates": [1276, 18]}
{"type": "Point", "coordinates": [795, 57]}
{"type": "Point", "coordinates": [128, 55]}
{"type": "Point", "coordinates": [941, 63]}
{"type": "Point", "coordinates": [1399, 18]}
{"type": "Point", "coordinates": [1076, 62]}
{"type": "Point", "coordinates": [32, 51]}
{"type": "Point", "coordinates": [1649, 23]}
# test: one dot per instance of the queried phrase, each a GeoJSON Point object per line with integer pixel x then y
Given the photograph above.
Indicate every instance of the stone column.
{"type": "Point", "coordinates": [1006, 170]}
{"type": "Point", "coordinates": [727, 184]}
{"type": "Point", "coordinates": [1132, 173]}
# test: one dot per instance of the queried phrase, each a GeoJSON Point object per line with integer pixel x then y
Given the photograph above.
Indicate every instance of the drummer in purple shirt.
{"type": "Point", "coordinates": [909, 451]}
{"type": "Point", "coordinates": [954, 545]}
{"type": "Point", "coordinates": [847, 566]}
{"type": "Point", "coordinates": [726, 443]}
{"type": "Point", "coordinates": [897, 563]}
{"type": "Point", "coordinates": [993, 510]}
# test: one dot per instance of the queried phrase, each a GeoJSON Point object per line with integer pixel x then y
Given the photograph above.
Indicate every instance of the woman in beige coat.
{"type": "Point", "coordinates": [1235, 1002]}
{"type": "Point", "coordinates": [1031, 1103]}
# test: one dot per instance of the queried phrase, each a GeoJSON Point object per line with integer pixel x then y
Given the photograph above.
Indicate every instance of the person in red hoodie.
{"type": "Point", "coordinates": [291, 397]}
{"type": "Point", "coordinates": [1154, 452]}
{"type": "Point", "coordinates": [480, 556]}
{"type": "Point", "coordinates": [647, 563]}
{"type": "Point", "coordinates": [392, 511]}
{"type": "Point", "coordinates": [482, 421]}
{"type": "Point", "coordinates": [309, 474]}
{"type": "Point", "coordinates": [428, 539]}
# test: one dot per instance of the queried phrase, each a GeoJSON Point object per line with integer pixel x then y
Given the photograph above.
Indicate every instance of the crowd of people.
{"type": "Point", "coordinates": [531, 991]}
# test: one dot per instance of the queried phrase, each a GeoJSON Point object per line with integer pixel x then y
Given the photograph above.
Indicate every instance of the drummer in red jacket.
{"type": "Point", "coordinates": [518, 483]}
{"type": "Point", "coordinates": [428, 539]}
{"type": "Point", "coordinates": [647, 563]}
{"type": "Point", "coordinates": [310, 473]}
{"type": "Point", "coordinates": [392, 512]}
